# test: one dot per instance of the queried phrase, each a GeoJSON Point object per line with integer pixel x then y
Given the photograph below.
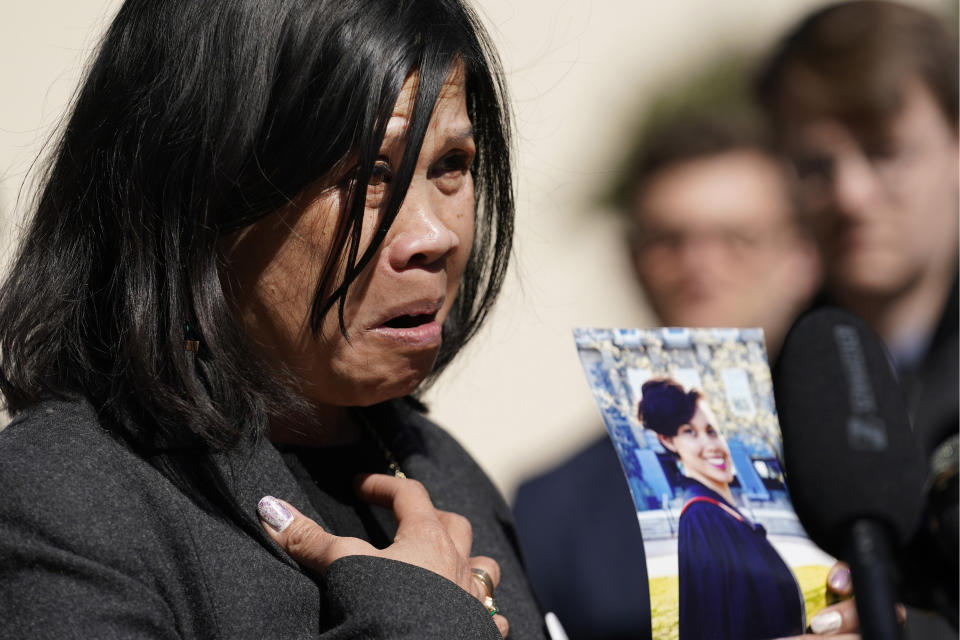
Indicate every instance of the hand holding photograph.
{"type": "Point", "coordinates": [692, 417]}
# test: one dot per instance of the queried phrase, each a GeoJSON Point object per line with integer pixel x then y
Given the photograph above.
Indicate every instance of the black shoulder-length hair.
{"type": "Point", "coordinates": [196, 118]}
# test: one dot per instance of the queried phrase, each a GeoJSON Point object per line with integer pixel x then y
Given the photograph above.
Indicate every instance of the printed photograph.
{"type": "Point", "coordinates": [692, 417]}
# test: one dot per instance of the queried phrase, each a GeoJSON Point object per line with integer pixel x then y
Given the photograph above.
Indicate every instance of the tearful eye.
{"type": "Point", "coordinates": [454, 163]}
{"type": "Point", "coordinates": [451, 170]}
{"type": "Point", "coordinates": [382, 173]}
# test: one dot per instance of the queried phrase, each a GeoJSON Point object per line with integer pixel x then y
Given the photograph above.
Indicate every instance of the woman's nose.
{"type": "Point", "coordinates": [422, 239]}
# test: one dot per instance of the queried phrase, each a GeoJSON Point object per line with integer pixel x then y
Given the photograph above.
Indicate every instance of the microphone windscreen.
{"type": "Point", "coordinates": [847, 443]}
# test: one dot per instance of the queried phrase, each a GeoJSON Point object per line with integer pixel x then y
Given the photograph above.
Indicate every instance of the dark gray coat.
{"type": "Point", "coordinates": [95, 542]}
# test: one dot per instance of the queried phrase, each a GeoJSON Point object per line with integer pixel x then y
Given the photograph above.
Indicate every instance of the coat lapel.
{"type": "Point", "coordinates": [258, 470]}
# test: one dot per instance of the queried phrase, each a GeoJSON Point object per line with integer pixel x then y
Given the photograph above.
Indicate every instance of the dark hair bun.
{"type": "Point", "coordinates": [665, 406]}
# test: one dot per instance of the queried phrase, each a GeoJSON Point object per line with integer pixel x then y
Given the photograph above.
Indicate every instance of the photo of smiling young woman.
{"type": "Point", "coordinates": [733, 583]}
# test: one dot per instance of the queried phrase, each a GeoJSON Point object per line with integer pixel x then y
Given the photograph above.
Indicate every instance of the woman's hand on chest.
{"type": "Point", "coordinates": [436, 540]}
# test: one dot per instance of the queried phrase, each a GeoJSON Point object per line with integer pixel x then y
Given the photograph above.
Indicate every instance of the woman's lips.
{"type": "Point", "coordinates": [427, 334]}
{"type": "Point", "coordinates": [414, 324]}
{"type": "Point", "coordinates": [717, 463]}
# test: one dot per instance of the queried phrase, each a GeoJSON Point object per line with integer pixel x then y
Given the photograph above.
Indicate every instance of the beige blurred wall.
{"type": "Point", "coordinates": [579, 72]}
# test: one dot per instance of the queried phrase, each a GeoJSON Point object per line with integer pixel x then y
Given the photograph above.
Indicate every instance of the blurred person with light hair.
{"type": "Point", "coordinates": [863, 99]}
{"type": "Point", "coordinates": [715, 242]}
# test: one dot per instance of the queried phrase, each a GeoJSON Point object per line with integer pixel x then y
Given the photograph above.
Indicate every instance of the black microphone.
{"type": "Point", "coordinates": [854, 469]}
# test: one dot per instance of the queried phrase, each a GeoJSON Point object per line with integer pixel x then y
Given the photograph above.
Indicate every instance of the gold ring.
{"type": "Point", "coordinates": [491, 606]}
{"type": "Point", "coordinates": [484, 578]}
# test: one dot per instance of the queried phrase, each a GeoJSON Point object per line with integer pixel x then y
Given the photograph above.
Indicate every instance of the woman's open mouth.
{"type": "Point", "coordinates": [410, 321]}
{"type": "Point", "coordinates": [416, 326]}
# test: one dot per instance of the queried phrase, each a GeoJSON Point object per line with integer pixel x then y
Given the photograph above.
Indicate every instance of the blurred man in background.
{"type": "Point", "coordinates": [863, 97]}
{"type": "Point", "coordinates": [714, 237]}
{"type": "Point", "coordinates": [716, 242]}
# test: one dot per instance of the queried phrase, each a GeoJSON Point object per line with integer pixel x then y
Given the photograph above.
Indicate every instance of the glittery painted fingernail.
{"type": "Point", "coordinates": [826, 622]}
{"type": "Point", "coordinates": [839, 579]}
{"type": "Point", "coordinates": [274, 513]}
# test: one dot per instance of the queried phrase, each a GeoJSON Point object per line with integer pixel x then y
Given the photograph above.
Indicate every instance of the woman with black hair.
{"type": "Point", "coordinates": [733, 583]}
{"type": "Point", "coordinates": [264, 226]}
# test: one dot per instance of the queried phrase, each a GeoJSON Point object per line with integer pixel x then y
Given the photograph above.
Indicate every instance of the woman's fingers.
{"type": "Point", "coordinates": [422, 538]}
{"type": "Point", "coordinates": [303, 539]}
{"type": "Point", "coordinates": [502, 625]}
{"type": "Point", "coordinates": [411, 504]}
{"type": "Point", "coordinates": [436, 540]}
{"type": "Point", "coordinates": [460, 530]}
{"type": "Point", "coordinates": [487, 582]}
{"type": "Point", "coordinates": [840, 621]}
{"type": "Point", "coordinates": [838, 580]}
{"type": "Point", "coordinates": [433, 539]}
{"type": "Point", "coordinates": [407, 498]}
{"type": "Point", "coordinates": [489, 565]}
{"type": "Point", "coordinates": [838, 618]}
{"type": "Point", "coordinates": [441, 540]}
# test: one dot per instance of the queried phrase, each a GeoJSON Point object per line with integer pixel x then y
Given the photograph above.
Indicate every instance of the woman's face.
{"type": "Point", "coordinates": [702, 450]}
{"type": "Point", "coordinates": [396, 307]}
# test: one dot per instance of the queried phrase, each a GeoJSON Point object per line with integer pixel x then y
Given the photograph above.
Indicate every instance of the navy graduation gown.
{"type": "Point", "coordinates": [733, 583]}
